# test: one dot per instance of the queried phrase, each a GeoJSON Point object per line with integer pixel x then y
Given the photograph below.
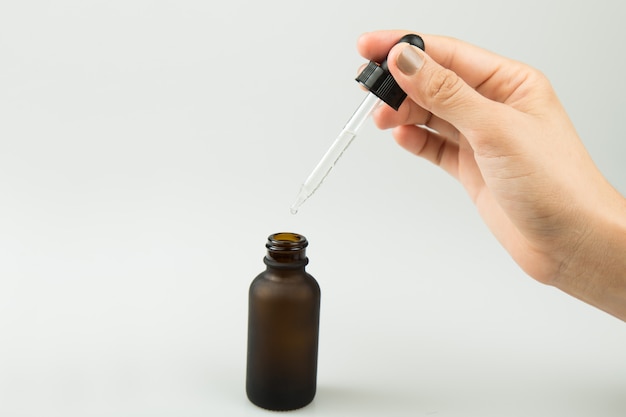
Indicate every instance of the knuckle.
{"type": "Point", "coordinates": [444, 86]}
{"type": "Point", "coordinates": [537, 78]}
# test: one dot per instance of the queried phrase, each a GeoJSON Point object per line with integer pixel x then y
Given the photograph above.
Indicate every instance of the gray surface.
{"type": "Point", "coordinates": [147, 149]}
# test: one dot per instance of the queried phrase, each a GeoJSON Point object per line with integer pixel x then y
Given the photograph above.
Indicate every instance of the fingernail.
{"type": "Point", "coordinates": [409, 60]}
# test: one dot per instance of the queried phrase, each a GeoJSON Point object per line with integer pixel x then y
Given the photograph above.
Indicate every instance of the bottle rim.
{"type": "Point", "coordinates": [286, 241]}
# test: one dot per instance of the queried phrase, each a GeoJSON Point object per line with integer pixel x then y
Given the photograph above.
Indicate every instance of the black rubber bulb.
{"type": "Point", "coordinates": [379, 81]}
{"type": "Point", "coordinates": [414, 40]}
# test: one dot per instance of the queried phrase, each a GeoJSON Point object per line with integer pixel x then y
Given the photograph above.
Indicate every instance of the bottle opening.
{"type": "Point", "coordinates": [286, 241]}
{"type": "Point", "coordinates": [286, 248]}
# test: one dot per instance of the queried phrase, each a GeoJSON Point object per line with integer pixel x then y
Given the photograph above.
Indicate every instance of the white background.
{"type": "Point", "coordinates": [148, 148]}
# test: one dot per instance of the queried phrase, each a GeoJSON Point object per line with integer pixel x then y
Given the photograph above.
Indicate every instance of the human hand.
{"type": "Point", "coordinates": [502, 132]}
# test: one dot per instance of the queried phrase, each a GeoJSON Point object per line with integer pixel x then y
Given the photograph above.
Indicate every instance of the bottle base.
{"type": "Point", "coordinates": [281, 403]}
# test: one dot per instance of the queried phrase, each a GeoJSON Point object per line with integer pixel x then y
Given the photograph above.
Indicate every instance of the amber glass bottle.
{"type": "Point", "coordinates": [283, 327]}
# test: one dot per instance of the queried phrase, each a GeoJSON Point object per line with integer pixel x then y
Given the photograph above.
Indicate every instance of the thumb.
{"type": "Point", "coordinates": [444, 93]}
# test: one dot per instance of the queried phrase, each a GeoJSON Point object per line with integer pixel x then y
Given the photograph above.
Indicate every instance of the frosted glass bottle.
{"type": "Point", "coordinates": [283, 327]}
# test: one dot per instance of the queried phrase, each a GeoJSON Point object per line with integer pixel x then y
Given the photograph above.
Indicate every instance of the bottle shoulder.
{"type": "Point", "coordinates": [285, 281]}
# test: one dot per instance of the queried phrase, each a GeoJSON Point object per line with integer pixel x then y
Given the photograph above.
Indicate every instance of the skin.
{"type": "Point", "coordinates": [497, 126]}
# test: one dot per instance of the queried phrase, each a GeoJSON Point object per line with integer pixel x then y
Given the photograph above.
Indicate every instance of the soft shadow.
{"type": "Point", "coordinates": [598, 398]}
{"type": "Point", "coordinates": [363, 401]}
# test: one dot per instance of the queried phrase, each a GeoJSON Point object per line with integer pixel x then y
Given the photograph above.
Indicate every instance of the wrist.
{"type": "Point", "coordinates": [595, 271]}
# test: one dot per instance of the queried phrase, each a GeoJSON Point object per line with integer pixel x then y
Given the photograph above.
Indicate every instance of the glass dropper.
{"type": "Point", "coordinates": [332, 155]}
{"type": "Point", "coordinates": [382, 87]}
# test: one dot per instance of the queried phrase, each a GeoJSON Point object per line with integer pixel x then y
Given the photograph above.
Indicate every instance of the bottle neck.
{"type": "Point", "coordinates": [286, 251]}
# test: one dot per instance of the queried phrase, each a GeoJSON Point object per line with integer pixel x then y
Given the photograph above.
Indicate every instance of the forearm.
{"type": "Point", "coordinates": [596, 271]}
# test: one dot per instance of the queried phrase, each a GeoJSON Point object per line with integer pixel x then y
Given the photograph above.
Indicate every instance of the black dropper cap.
{"type": "Point", "coordinates": [378, 80]}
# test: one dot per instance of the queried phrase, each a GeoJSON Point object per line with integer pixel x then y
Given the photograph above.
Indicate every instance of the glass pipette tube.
{"type": "Point", "coordinates": [332, 155]}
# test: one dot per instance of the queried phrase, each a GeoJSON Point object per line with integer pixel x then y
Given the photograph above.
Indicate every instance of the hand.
{"type": "Point", "coordinates": [500, 129]}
